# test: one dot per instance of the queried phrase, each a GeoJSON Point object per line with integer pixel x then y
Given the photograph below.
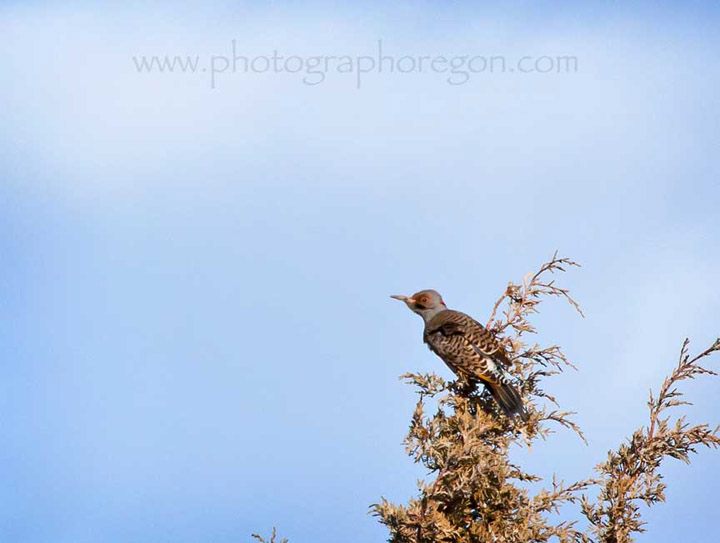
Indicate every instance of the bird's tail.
{"type": "Point", "coordinates": [509, 399]}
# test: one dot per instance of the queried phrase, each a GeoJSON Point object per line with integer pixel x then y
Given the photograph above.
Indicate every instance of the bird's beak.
{"type": "Point", "coordinates": [401, 298]}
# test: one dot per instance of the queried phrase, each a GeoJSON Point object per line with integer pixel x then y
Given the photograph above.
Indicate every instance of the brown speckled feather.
{"type": "Point", "coordinates": [466, 346]}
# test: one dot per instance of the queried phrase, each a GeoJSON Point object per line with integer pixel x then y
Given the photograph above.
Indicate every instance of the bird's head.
{"type": "Point", "coordinates": [425, 303]}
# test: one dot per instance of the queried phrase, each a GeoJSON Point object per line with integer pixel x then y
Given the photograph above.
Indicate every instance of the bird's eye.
{"type": "Point", "coordinates": [423, 300]}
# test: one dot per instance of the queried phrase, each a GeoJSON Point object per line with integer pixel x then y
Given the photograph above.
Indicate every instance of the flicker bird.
{"type": "Point", "coordinates": [467, 347]}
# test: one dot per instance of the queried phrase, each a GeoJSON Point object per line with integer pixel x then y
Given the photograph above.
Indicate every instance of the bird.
{"type": "Point", "coordinates": [470, 350]}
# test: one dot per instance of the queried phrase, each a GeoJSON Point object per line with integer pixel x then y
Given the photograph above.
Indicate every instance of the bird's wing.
{"type": "Point", "coordinates": [483, 342]}
{"type": "Point", "coordinates": [466, 347]}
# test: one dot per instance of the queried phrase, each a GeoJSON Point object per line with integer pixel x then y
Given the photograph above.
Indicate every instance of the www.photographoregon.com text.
{"type": "Point", "coordinates": [313, 70]}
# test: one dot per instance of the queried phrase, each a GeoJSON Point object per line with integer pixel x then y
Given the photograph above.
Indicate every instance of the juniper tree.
{"type": "Point", "coordinates": [474, 493]}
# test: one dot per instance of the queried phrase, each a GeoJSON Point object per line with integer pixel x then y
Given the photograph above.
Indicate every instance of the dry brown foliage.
{"type": "Point", "coordinates": [273, 538]}
{"type": "Point", "coordinates": [475, 494]}
{"type": "Point", "coordinates": [630, 475]}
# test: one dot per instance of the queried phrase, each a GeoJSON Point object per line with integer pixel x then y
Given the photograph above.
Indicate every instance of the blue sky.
{"type": "Point", "coordinates": [197, 339]}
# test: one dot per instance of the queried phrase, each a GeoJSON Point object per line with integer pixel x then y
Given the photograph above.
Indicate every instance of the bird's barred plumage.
{"type": "Point", "coordinates": [467, 347]}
